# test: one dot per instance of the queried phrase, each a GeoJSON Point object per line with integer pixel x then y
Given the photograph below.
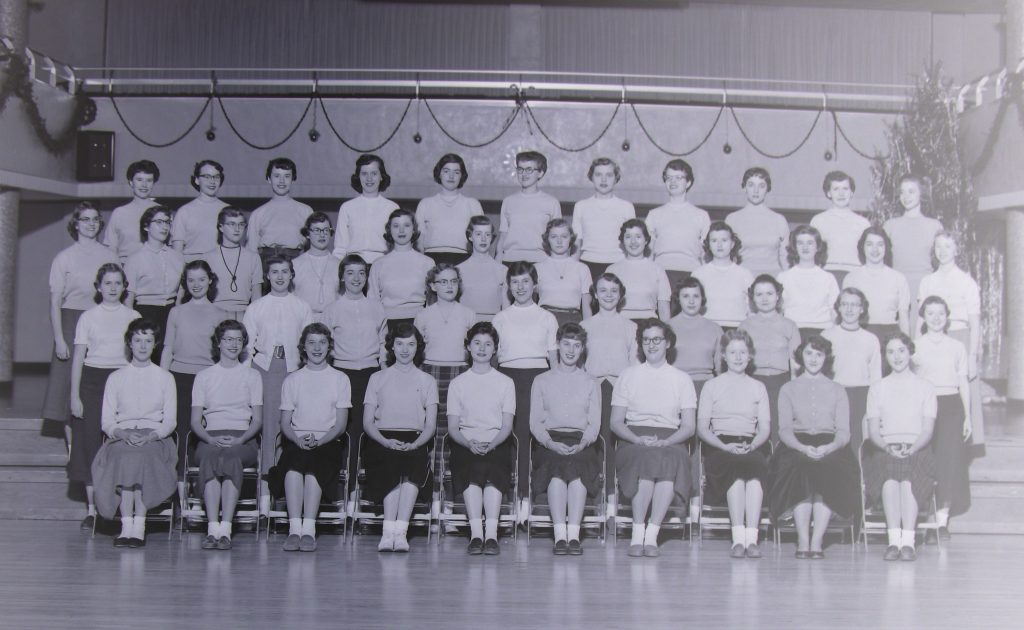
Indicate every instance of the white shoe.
{"type": "Point", "coordinates": [401, 545]}
{"type": "Point", "coordinates": [387, 543]}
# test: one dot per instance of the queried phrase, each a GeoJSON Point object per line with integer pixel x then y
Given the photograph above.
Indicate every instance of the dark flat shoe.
{"type": "Point", "coordinates": [892, 552]}
{"type": "Point", "coordinates": [737, 551]}
{"type": "Point", "coordinates": [817, 555]}
{"type": "Point", "coordinates": [944, 534]}
{"type": "Point", "coordinates": [575, 548]}
{"type": "Point", "coordinates": [476, 547]}
{"type": "Point", "coordinates": [135, 543]}
{"type": "Point", "coordinates": [908, 554]}
{"type": "Point", "coordinates": [291, 543]}
{"type": "Point", "coordinates": [210, 542]}
{"type": "Point", "coordinates": [802, 555]}
{"type": "Point", "coordinates": [753, 551]}
{"type": "Point", "coordinates": [87, 523]}
{"type": "Point", "coordinates": [121, 542]}
{"type": "Point", "coordinates": [635, 551]}
{"type": "Point", "coordinates": [561, 548]}
{"type": "Point", "coordinates": [224, 543]}
{"type": "Point", "coordinates": [491, 547]}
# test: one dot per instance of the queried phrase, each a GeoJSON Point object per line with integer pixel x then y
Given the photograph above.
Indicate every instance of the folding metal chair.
{"type": "Point", "coordinates": [372, 512]}
{"type": "Point", "coordinates": [163, 513]}
{"type": "Point", "coordinates": [193, 511]}
{"type": "Point", "coordinates": [332, 512]}
{"type": "Point", "coordinates": [453, 510]}
{"type": "Point", "coordinates": [715, 517]}
{"type": "Point", "coordinates": [676, 519]}
{"type": "Point", "coordinates": [594, 517]}
{"type": "Point", "coordinates": [873, 522]}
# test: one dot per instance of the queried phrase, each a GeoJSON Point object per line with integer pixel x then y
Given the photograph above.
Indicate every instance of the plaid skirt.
{"type": "Point", "coordinates": [722, 468]}
{"type": "Point", "coordinates": [385, 468]}
{"type": "Point", "coordinates": [795, 477]}
{"type": "Point", "coordinates": [149, 467]}
{"type": "Point", "coordinates": [879, 466]}
{"type": "Point", "coordinates": [584, 465]}
{"type": "Point", "coordinates": [634, 462]}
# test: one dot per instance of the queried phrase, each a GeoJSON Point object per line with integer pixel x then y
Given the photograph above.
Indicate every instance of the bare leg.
{"type": "Point", "coordinates": [735, 497]}
{"type": "Point", "coordinates": [473, 496]}
{"type": "Point", "coordinates": [127, 503]}
{"type": "Point", "coordinates": [406, 500]}
{"type": "Point", "coordinates": [891, 504]}
{"type": "Point", "coordinates": [212, 499]}
{"type": "Point", "coordinates": [391, 503]}
{"type": "Point", "coordinates": [753, 497]}
{"type": "Point", "coordinates": [311, 498]}
{"type": "Point", "coordinates": [663, 491]}
{"type": "Point", "coordinates": [293, 493]}
{"type": "Point", "coordinates": [557, 501]}
{"type": "Point", "coordinates": [822, 515]}
{"type": "Point", "coordinates": [802, 520]}
{"type": "Point", "coordinates": [228, 501]}
{"type": "Point", "coordinates": [908, 506]}
{"type": "Point", "coordinates": [577, 500]}
{"type": "Point", "coordinates": [492, 510]}
{"type": "Point", "coordinates": [642, 500]}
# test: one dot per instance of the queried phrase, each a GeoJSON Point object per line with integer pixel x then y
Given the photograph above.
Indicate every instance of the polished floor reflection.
{"type": "Point", "coordinates": [53, 576]}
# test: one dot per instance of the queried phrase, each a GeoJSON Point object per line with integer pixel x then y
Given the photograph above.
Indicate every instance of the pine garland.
{"type": "Point", "coordinates": [18, 82]}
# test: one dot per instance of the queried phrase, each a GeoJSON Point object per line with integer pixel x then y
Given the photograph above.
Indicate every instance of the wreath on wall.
{"type": "Point", "coordinates": [18, 82]}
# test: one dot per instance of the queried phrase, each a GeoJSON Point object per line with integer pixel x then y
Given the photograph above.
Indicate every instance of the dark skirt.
{"type": "Point", "coordinates": [452, 258]}
{"type": "Point", "coordinates": [773, 383]}
{"type": "Point", "coordinates": [634, 462]}
{"type": "Point", "coordinates": [86, 434]}
{"type": "Point", "coordinates": [158, 315]}
{"type": "Point", "coordinates": [492, 469]}
{"type": "Point", "coordinates": [565, 315]}
{"type": "Point", "coordinates": [881, 331]}
{"type": "Point", "coordinates": [358, 379]}
{"type": "Point", "coordinates": [952, 456]}
{"type": "Point", "coordinates": [796, 477]}
{"type": "Point", "coordinates": [149, 467]}
{"type": "Point", "coordinates": [273, 380]}
{"type": "Point", "coordinates": [676, 278]}
{"type": "Point", "coordinates": [606, 414]}
{"type": "Point", "coordinates": [183, 386]}
{"type": "Point", "coordinates": [523, 380]}
{"type": "Point", "coordinates": [858, 397]}
{"type": "Point", "coordinates": [597, 269]}
{"type": "Point", "coordinates": [879, 466]}
{"type": "Point", "coordinates": [57, 402]}
{"type": "Point", "coordinates": [722, 469]}
{"type": "Point", "coordinates": [386, 468]}
{"type": "Point", "coordinates": [323, 462]}
{"type": "Point", "coordinates": [225, 463]}
{"type": "Point", "coordinates": [584, 465]}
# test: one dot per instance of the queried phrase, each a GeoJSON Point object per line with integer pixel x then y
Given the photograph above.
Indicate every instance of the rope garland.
{"type": "Point", "coordinates": [775, 156]}
{"type": "Point", "coordinates": [267, 147]}
{"type": "Point", "coordinates": [529, 111]}
{"type": "Point", "coordinates": [349, 146]}
{"type": "Point", "coordinates": [658, 146]}
{"type": "Point", "coordinates": [159, 145]}
{"type": "Point", "coordinates": [476, 145]}
{"type": "Point", "coordinates": [849, 143]}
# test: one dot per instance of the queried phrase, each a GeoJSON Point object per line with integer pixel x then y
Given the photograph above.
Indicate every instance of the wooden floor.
{"type": "Point", "coordinates": [53, 576]}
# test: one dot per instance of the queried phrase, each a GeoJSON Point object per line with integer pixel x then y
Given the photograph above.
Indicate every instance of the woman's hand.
{"type": "Point", "coordinates": [480, 448]}
{"type": "Point", "coordinates": [77, 408]}
{"type": "Point", "coordinates": [738, 448]}
{"type": "Point", "coordinates": [60, 348]}
{"type": "Point", "coordinates": [899, 451]}
{"type": "Point", "coordinates": [225, 441]}
{"type": "Point", "coordinates": [308, 442]}
{"type": "Point", "coordinates": [398, 445]}
{"type": "Point", "coordinates": [647, 440]}
{"type": "Point", "coordinates": [968, 428]}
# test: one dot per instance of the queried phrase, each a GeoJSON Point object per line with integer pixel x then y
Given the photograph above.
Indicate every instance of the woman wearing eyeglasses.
{"type": "Point", "coordinates": [71, 294]}
{"type": "Point", "coordinates": [195, 226]}
{"type": "Point", "coordinates": [316, 269]}
{"type": "Point", "coordinates": [653, 413]}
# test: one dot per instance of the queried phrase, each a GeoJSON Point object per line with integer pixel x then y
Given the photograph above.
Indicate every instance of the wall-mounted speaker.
{"type": "Point", "coordinates": [95, 156]}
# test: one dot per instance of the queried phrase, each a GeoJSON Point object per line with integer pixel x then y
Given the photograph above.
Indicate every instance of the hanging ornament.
{"type": "Point", "coordinates": [417, 138]}
{"type": "Point", "coordinates": [727, 148]}
{"type": "Point", "coordinates": [314, 135]}
{"type": "Point", "coordinates": [625, 145]}
{"type": "Point", "coordinates": [828, 155]}
{"type": "Point", "coordinates": [211, 130]}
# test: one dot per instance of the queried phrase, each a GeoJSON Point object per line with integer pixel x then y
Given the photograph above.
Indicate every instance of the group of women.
{"type": "Point", "coordinates": [604, 337]}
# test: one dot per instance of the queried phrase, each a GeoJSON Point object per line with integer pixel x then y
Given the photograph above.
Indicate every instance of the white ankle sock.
{"type": "Point", "coordinates": [91, 510]}
{"type": "Point", "coordinates": [401, 529]}
{"type": "Point", "coordinates": [139, 527]}
{"type": "Point", "coordinates": [739, 535]}
{"type": "Point", "coordinates": [751, 536]}
{"type": "Point", "coordinates": [309, 527]}
{"type": "Point", "coordinates": [651, 535]}
{"type": "Point", "coordinates": [213, 528]}
{"type": "Point", "coordinates": [942, 517]}
{"type": "Point", "coordinates": [387, 529]}
{"type": "Point", "coordinates": [225, 529]}
{"type": "Point", "coordinates": [895, 533]}
{"type": "Point", "coordinates": [907, 539]}
{"type": "Point", "coordinates": [573, 532]}
{"type": "Point", "coordinates": [491, 529]}
{"type": "Point", "coordinates": [638, 534]}
{"type": "Point", "coordinates": [611, 509]}
{"type": "Point", "coordinates": [295, 526]}
{"type": "Point", "coordinates": [265, 505]}
{"type": "Point", "coordinates": [560, 531]}
{"type": "Point", "coordinates": [126, 527]}
{"type": "Point", "coordinates": [476, 528]}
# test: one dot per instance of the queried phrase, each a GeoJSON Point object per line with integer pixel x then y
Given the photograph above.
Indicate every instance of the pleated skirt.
{"type": "Point", "coordinates": [119, 466]}
{"type": "Point", "coordinates": [722, 468]}
{"type": "Point", "coordinates": [634, 462]}
{"type": "Point", "coordinates": [584, 465]}
{"type": "Point", "coordinates": [386, 468]}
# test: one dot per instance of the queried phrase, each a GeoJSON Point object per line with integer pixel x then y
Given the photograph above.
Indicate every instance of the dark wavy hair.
{"type": "Point", "coordinates": [820, 344]}
{"type": "Point", "coordinates": [76, 215]}
{"type": "Point", "coordinates": [398, 213]}
{"type": "Point", "coordinates": [404, 330]}
{"type": "Point", "coordinates": [283, 164]}
{"type": "Point", "coordinates": [311, 220]}
{"type": "Point", "coordinates": [572, 330]}
{"type": "Point", "coordinates": [520, 268]}
{"type": "Point", "coordinates": [229, 212]}
{"type": "Point", "coordinates": [143, 166]}
{"type": "Point", "coordinates": [689, 283]}
{"type": "Point", "coordinates": [432, 275]}
{"type": "Point", "coordinates": [451, 158]}
{"type": "Point", "coordinates": [874, 230]}
{"type": "Point", "coordinates": [603, 161]}
{"type": "Point", "coordinates": [614, 279]}
{"type": "Point", "coordinates": [666, 330]}
{"type": "Point", "coordinates": [679, 165]}
{"type": "Point", "coordinates": [218, 336]}
{"type": "Point", "coordinates": [837, 176]}
{"type": "Point", "coordinates": [279, 259]}
{"type": "Point", "coordinates": [928, 301]}
{"type": "Point", "coordinates": [734, 253]}
{"type": "Point", "coordinates": [629, 224]}
{"type": "Point", "coordinates": [365, 160]}
{"type": "Point", "coordinates": [147, 218]}
{"type": "Point", "coordinates": [820, 257]}
{"type": "Point", "coordinates": [756, 171]}
{"type": "Point", "coordinates": [316, 328]}
{"type": "Point", "coordinates": [558, 223]}
{"type": "Point", "coordinates": [139, 325]}
{"type": "Point", "coordinates": [202, 265]}
{"type": "Point", "coordinates": [480, 328]}
{"type": "Point", "coordinates": [764, 278]}
{"type": "Point", "coordinates": [474, 221]}
{"type": "Point", "coordinates": [348, 261]}
{"type": "Point", "coordinates": [104, 269]}
{"type": "Point", "coordinates": [197, 170]}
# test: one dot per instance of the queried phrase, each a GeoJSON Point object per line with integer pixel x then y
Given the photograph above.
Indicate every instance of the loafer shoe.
{"type": "Point", "coordinates": [291, 543]}
{"type": "Point", "coordinates": [307, 543]}
{"type": "Point", "coordinates": [224, 543]}
{"type": "Point", "coordinates": [635, 551]}
{"type": "Point", "coordinates": [892, 552]}
{"type": "Point", "coordinates": [738, 551]}
{"type": "Point", "coordinates": [476, 547]}
{"type": "Point", "coordinates": [87, 523]}
{"type": "Point", "coordinates": [575, 548]}
{"type": "Point", "coordinates": [561, 548]}
{"type": "Point", "coordinates": [210, 542]}
{"type": "Point", "coordinates": [908, 554]}
{"type": "Point", "coordinates": [491, 547]}
{"type": "Point", "coordinates": [121, 542]}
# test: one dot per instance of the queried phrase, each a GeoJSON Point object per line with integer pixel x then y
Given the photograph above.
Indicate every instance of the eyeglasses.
{"type": "Point", "coordinates": [160, 221]}
{"type": "Point", "coordinates": [88, 219]}
{"type": "Point", "coordinates": [211, 178]}
{"type": "Point", "coordinates": [321, 231]}
{"type": "Point", "coordinates": [445, 282]}
{"type": "Point", "coordinates": [234, 224]}
{"type": "Point", "coordinates": [653, 341]}
{"type": "Point", "coordinates": [528, 170]}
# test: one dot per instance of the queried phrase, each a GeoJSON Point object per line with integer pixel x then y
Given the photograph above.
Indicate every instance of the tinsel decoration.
{"type": "Point", "coordinates": [18, 82]}
{"type": "Point", "coordinates": [924, 141]}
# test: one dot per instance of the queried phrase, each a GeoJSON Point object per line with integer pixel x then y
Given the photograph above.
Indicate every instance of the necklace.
{"type": "Point", "coordinates": [232, 272]}
{"type": "Point", "coordinates": [560, 268]}
{"type": "Point", "coordinates": [319, 273]}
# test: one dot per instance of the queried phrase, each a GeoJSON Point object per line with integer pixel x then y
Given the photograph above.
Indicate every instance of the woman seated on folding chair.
{"type": "Point", "coordinates": [900, 471]}
{"type": "Point", "coordinates": [399, 419]}
{"type": "Point", "coordinates": [481, 405]}
{"type": "Point", "coordinates": [813, 473]}
{"type": "Point", "coordinates": [227, 413]}
{"type": "Point", "coordinates": [315, 401]}
{"type": "Point", "coordinates": [653, 409]}
{"type": "Point", "coordinates": [135, 467]}
{"type": "Point", "coordinates": [565, 419]}
{"type": "Point", "coordinates": [734, 421]}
